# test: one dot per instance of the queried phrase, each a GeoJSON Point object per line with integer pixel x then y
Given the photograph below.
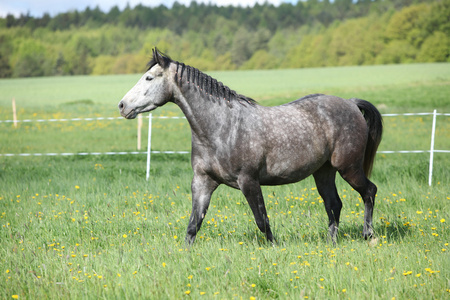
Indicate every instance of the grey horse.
{"type": "Point", "coordinates": [237, 142]}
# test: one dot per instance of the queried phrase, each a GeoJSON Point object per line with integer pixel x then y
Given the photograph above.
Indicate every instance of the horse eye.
{"type": "Point", "coordinates": [148, 78]}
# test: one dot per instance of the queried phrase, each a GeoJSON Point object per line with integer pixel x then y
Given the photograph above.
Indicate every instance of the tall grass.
{"type": "Point", "coordinates": [93, 227]}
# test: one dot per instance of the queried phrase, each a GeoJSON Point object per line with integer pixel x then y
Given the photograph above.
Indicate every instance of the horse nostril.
{"type": "Point", "coordinates": [121, 105]}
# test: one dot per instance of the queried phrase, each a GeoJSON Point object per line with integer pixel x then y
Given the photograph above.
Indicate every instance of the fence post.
{"type": "Point", "coordinates": [149, 146]}
{"type": "Point", "coordinates": [433, 130]}
{"type": "Point", "coordinates": [14, 112]}
{"type": "Point", "coordinates": [139, 129]}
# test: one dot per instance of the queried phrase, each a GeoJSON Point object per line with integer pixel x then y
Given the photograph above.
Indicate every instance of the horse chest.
{"type": "Point", "coordinates": [224, 163]}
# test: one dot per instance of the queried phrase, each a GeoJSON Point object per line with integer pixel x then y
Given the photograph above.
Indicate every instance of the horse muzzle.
{"type": "Point", "coordinates": [126, 111]}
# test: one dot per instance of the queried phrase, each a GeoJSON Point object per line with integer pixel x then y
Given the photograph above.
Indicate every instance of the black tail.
{"type": "Point", "coordinates": [375, 125]}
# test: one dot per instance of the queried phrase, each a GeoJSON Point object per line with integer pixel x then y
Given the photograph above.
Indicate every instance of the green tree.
{"type": "Point", "coordinates": [355, 42]}
{"type": "Point", "coordinates": [439, 17]}
{"type": "Point", "coordinates": [408, 24]}
{"type": "Point", "coordinates": [240, 50]}
{"type": "Point", "coordinates": [30, 59]}
{"type": "Point", "coordinates": [261, 59]}
{"type": "Point", "coordinates": [396, 52]}
{"type": "Point", "coordinates": [81, 54]}
{"type": "Point", "coordinates": [103, 64]}
{"type": "Point", "coordinates": [5, 68]}
{"type": "Point", "coordinates": [224, 62]}
{"type": "Point", "coordinates": [436, 48]}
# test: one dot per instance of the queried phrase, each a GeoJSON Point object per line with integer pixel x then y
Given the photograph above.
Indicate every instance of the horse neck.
{"type": "Point", "coordinates": [209, 118]}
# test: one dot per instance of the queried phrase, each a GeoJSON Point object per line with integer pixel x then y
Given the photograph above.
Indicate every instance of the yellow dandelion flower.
{"type": "Point", "coordinates": [124, 236]}
{"type": "Point", "coordinates": [77, 187]}
{"type": "Point", "coordinates": [344, 290]}
{"type": "Point", "coordinates": [407, 273]}
{"type": "Point", "coordinates": [187, 292]}
{"type": "Point", "coordinates": [442, 220]}
{"type": "Point", "coordinates": [15, 296]}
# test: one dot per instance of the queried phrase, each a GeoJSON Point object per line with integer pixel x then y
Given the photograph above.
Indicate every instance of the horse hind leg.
{"type": "Point", "coordinates": [326, 186]}
{"type": "Point", "coordinates": [367, 189]}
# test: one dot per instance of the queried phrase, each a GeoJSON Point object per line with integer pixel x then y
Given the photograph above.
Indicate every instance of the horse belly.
{"type": "Point", "coordinates": [296, 147]}
{"type": "Point", "coordinates": [292, 166]}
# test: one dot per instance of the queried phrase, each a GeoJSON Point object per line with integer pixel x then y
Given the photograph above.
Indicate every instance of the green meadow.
{"type": "Point", "coordinates": [93, 227]}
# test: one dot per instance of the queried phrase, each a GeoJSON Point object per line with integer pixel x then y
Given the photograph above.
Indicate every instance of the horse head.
{"type": "Point", "coordinates": [151, 91]}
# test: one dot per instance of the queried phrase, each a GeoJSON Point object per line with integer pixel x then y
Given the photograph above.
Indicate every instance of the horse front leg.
{"type": "Point", "coordinates": [202, 188]}
{"type": "Point", "coordinates": [252, 192]}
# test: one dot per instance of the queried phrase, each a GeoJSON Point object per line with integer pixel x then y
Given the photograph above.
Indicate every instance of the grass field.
{"type": "Point", "coordinates": [93, 227]}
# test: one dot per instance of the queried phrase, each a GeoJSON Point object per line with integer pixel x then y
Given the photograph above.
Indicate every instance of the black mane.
{"type": "Point", "coordinates": [205, 83]}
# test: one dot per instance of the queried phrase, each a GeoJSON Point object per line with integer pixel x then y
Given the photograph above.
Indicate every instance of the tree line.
{"type": "Point", "coordinates": [308, 34]}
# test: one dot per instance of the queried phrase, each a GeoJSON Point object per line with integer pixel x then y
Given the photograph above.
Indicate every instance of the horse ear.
{"type": "Point", "coordinates": [159, 58]}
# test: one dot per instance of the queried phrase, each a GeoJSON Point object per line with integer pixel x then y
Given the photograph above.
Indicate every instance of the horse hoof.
{"type": "Point", "coordinates": [368, 234]}
{"type": "Point", "coordinates": [189, 240]}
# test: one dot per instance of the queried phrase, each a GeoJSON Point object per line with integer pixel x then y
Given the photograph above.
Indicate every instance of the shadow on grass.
{"type": "Point", "coordinates": [395, 232]}
{"type": "Point", "coordinates": [349, 232]}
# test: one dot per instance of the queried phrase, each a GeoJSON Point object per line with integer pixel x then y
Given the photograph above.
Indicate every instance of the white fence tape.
{"type": "Point", "coordinates": [416, 114]}
{"type": "Point", "coordinates": [93, 153]}
{"type": "Point", "coordinates": [167, 117]}
{"type": "Point", "coordinates": [81, 119]}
